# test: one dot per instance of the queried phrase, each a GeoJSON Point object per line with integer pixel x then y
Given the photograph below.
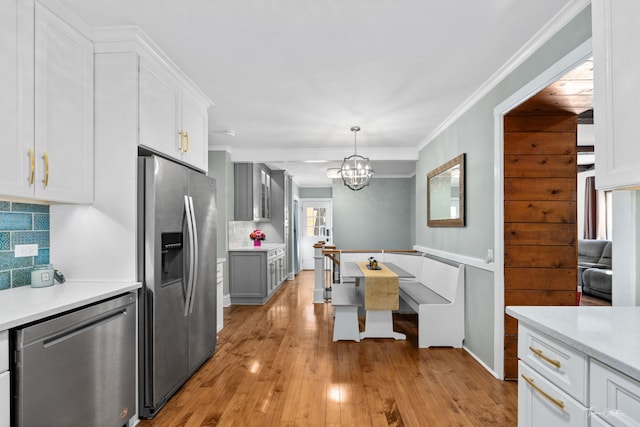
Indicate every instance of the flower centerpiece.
{"type": "Point", "coordinates": [257, 236]}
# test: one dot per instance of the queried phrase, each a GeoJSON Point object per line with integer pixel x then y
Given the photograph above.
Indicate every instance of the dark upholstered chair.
{"type": "Point", "coordinates": [594, 268]}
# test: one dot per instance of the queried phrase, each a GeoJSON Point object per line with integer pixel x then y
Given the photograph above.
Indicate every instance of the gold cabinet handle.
{"type": "Point", "coordinates": [181, 133]}
{"type": "Point", "coordinates": [45, 181]}
{"type": "Point", "coordinates": [538, 353]}
{"type": "Point", "coordinates": [557, 402]}
{"type": "Point", "coordinates": [186, 135]}
{"type": "Point", "coordinates": [32, 161]}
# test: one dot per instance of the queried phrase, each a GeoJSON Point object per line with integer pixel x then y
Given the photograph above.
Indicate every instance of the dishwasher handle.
{"type": "Point", "coordinates": [79, 329]}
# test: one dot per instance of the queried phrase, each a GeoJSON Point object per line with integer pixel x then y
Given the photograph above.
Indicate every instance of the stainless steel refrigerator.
{"type": "Point", "coordinates": [177, 266]}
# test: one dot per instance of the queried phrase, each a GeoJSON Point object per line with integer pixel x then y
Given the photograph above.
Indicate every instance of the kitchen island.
{"type": "Point", "coordinates": [577, 365]}
{"type": "Point", "coordinates": [256, 272]}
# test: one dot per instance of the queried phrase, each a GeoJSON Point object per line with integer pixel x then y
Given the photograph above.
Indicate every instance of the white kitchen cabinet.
{"type": "Point", "coordinates": [16, 102]}
{"type": "Point", "coordinates": [47, 115]}
{"type": "Point", "coordinates": [540, 403]}
{"type": "Point", "coordinates": [5, 392]}
{"type": "Point", "coordinates": [5, 399]}
{"type": "Point", "coordinates": [570, 376]}
{"type": "Point", "coordinates": [616, 67]}
{"type": "Point", "coordinates": [195, 124]}
{"type": "Point", "coordinates": [111, 221]}
{"type": "Point", "coordinates": [220, 296]}
{"type": "Point", "coordinates": [552, 382]}
{"type": "Point", "coordinates": [564, 366]}
{"type": "Point", "coordinates": [173, 121]}
{"type": "Point", "coordinates": [615, 397]}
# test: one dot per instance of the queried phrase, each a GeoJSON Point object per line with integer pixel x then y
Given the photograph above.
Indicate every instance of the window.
{"type": "Point", "coordinates": [316, 221]}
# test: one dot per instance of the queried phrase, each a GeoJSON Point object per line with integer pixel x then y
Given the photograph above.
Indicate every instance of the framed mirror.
{"type": "Point", "coordinates": [445, 194]}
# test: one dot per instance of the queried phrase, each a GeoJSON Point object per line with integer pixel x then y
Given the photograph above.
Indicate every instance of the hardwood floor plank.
{"type": "Point", "coordinates": [277, 365]}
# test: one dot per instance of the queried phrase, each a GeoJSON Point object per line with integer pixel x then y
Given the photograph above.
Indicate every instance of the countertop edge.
{"type": "Point", "coordinates": [23, 305]}
{"type": "Point", "coordinates": [604, 351]}
{"type": "Point", "coordinates": [264, 248]}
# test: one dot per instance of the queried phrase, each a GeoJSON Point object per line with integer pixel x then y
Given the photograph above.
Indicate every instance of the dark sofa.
{"type": "Point", "coordinates": [594, 268]}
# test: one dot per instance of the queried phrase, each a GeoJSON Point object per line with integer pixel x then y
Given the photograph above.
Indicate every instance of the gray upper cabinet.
{"type": "Point", "coordinates": [252, 192]}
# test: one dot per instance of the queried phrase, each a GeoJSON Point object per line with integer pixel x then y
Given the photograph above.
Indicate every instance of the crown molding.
{"type": "Point", "coordinates": [560, 20]}
{"type": "Point", "coordinates": [298, 155]}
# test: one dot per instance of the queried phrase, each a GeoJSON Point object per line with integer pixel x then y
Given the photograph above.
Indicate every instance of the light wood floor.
{"type": "Point", "coordinates": [276, 365]}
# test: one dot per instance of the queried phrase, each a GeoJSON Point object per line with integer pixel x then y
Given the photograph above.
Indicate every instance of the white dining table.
{"type": "Point", "coordinates": [378, 323]}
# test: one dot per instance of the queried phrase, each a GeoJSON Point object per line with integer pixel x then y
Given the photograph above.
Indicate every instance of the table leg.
{"type": "Point", "coordinates": [379, 324]}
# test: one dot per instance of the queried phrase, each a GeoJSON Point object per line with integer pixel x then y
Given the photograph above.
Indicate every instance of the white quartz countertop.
{"type": "Point", "coordinates": [609, 334]}
{"type": "Point", "coordinates": [264, 247]}
{"type": "Point", "coordinates": [25, 304]}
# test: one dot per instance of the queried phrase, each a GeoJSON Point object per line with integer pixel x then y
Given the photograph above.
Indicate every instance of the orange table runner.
{"type": "Point", "coordinates": [380, 288]}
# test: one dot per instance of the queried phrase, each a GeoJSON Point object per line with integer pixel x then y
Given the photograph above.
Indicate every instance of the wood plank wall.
{"type": "Point", "coordinates": [540, 234]}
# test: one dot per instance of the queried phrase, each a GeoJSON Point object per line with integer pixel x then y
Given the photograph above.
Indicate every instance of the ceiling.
{"type": "Point", "coordinates": [290, 78]}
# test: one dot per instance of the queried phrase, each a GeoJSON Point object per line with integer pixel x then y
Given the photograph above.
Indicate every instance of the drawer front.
{"type": "Point", "coordinates": [564, 366]}
{"type": "Point", "coordinates": [615, 397]}
{"type": "Point", "coordinates": [4, 351]}
{"type": "Point", "coordinates": [542, 404]}
{"type": "Point", "coordinates": [5, 399]}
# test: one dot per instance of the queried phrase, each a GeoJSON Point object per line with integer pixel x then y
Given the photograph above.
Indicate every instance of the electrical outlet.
{"type": "Point", "coordinates": [26, 250]}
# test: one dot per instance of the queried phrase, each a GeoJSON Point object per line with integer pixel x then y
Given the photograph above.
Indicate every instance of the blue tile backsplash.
{"type": "Point", "coordinates": [22, 223]}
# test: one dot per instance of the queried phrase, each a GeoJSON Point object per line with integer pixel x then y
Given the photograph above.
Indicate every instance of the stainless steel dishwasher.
{"type": "Point", "coordinates": [77, 369]}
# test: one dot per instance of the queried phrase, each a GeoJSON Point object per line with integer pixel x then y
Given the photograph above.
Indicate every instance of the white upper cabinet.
{"type": "Point", "coordinates": [173, 119]}
{"type": "Point", "coordinates": [47, 119]}
{"type": "Point", "coordinates": [16, 102]}
{"type": "Point", "coordinates": [63, 110]}
{"type": "Point", "coordinates": [159, 109]}
{"type": "Point", "coordinates": [616, 60]}
{"type": "Point", "coordinates": [195, 124]}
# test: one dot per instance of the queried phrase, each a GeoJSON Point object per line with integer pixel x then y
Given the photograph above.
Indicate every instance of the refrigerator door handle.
{"type": "Point", "coordinates": [195, 255]}
{"type": "Point", "coordinates": [188, 213]}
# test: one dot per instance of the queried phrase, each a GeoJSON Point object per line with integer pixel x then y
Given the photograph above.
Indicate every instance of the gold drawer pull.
{"type": "Point", "coordinates": [32, 161]}
{"type": "Point", "coordinates": [538, 353]}
{"type": "Point", "coordinates": [186, 135]}
{"type": "Point", "coordinates": [557, 402]}
{"type": "Point", "coordinates": [181, 133]}
{"type": "Point", "coordinates": [45, 181]}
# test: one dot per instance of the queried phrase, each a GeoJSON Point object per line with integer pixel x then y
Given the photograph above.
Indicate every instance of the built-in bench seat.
{"type": "Point", "coordinates": [436, 295]}
{"type": "Point", "coordinates": [415, 293]}
{"type": "Point", "coordinates": [438, 298]}
{"type": "Point", "coordinates": [346, 300]}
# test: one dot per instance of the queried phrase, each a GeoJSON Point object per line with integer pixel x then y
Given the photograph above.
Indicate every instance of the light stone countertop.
{"type": "Point", "coordinates": [25, 304]}
{"type": "Point", "coordinates": [250, 248]}
{"type": "Point", "coordinates": [608, 334]}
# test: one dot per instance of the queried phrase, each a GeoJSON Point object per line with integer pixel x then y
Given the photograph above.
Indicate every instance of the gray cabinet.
{"type": "Point", "coordinates": [255, 275]}
{"type": "Point", "coordinates": [252, 192]}
{"type": "Point", "coordinates": [280, 215]}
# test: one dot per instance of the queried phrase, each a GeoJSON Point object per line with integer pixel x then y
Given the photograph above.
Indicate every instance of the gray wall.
{"type": "Point", "coordinates": [473, 134]}
{"type": "Point", "coordinates": [377, 217]}
{"type": "Point", "coordinates": [315, 193]}
{"type": "Point", "coordinates": [221, 168]}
